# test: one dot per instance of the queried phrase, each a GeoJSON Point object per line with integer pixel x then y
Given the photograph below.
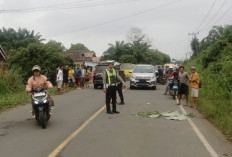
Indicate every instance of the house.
{"type": "Point", "coordinates": [81, 57]}
{"type": "Point", "coordinates": [3, 59]}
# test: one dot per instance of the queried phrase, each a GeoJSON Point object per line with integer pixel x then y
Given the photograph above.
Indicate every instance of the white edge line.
{"type": "Point", "coordinates": [208, 147]}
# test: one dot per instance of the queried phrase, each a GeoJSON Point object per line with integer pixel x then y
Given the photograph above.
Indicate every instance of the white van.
{"type": "Point", "coordinates": [143, 75]}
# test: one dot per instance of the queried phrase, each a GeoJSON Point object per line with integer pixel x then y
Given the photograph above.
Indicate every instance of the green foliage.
{"type": "Point", "coordinates": [37, 54]}
{"type": "Point", "coordinates": [13, 39]}
{"type": "Point", "coordinates": [55, 46]}
{"type": "Point", "coordinates": [10, 82]}
{"type": "Point", "coordinates": [156, 57]}
{"type": "Point", "coordinates": [195, 46]}
{"type": "Point", "coordinates": [214, 65]}
{"type": "Point", "coordinates": [137, 51]}
{"type": "Point", "coordinates": [127, 58]}
{"type": "Point", "coordinates": [78, 46]}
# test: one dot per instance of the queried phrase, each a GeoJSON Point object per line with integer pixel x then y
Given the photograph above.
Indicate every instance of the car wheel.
{"type": "Point", "coordinates": [154, 88]}
{"type": "Point", "coordinates": [131, 87]}
{"type": "Point", "coordinates": [95, 86]}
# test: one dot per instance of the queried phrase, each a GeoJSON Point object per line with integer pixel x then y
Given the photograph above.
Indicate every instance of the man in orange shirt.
{"type": "Point", "coordinates": [194, 85]}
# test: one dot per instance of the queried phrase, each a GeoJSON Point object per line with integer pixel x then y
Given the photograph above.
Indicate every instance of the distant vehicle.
{"type": "Point", "coordinates": [143, 76]}
{"type": "Point", "coordinates": [98, 73]}
{"type": "Point", "coordinates": [127, 68]}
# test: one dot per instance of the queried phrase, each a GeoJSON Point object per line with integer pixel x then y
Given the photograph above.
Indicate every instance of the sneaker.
{"type": "Point", "coordinates": [33, 116]}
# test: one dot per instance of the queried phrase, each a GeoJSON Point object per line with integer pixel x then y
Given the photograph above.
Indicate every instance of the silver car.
{"type": "Point", "coordinates": [143, 76]}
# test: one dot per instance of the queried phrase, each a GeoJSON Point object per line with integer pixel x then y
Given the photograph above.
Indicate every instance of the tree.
{"type": "Point", "coordinates": [156, 57]}
{"type": "Point", "coordinates": [195, 46]}
{"type": "Point", "coordinates": [136, 35]}
{"type": "Point", "coordinates": [127, 58]}
{"type": "Point", "coordinates": [214, 34]}
{"type": "Point", "coordinates": [136, 51]}
{"type": "Point", "coordinates": [12, 39]}
{"type": "Point", "coordinates": [78, 46]}
{"type": "Point", "coordinates": [55, 46]}
{"type": "Point", "coordinates": [37, 54]}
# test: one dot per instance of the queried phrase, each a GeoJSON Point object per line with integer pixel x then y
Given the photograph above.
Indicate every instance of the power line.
{"type": "Point", "coordinates": [220, 18]}
{"type": "Point", "coordinates": [121, 18]}
{"type": "Point", "coordinates": [206, 16]}
{"type": "Point", "coordinates": [214, 16]}
{"type": "Point", "coordinates": [58, 7]}
{"type": "Point", "coordinates": [52, 5]}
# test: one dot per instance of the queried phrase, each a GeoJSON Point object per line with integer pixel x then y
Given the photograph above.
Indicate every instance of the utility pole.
{"type": "Point", "coordinates": [195, 36]}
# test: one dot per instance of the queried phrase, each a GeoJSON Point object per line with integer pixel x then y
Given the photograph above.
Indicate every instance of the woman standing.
{"type": "Point", "coordinates": [87, 76]}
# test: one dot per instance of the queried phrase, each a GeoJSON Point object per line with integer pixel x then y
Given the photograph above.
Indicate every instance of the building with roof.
{"type": "Point", "coordinates": [81, 57]}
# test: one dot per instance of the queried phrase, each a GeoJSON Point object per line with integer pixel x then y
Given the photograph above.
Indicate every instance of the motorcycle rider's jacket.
{"type": "Point", "coordinates": [40, 81]}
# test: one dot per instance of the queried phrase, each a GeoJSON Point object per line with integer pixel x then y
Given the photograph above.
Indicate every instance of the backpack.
{"type": "Point", "coordinates": [200, 84]}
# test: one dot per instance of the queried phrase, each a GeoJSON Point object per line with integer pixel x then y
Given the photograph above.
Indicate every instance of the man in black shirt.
{"type": "Point", "coordinates": [65, 77]}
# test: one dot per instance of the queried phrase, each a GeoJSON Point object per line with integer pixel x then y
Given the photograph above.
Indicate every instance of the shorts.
{"type": "Point", "coordinates": [59, 84]}
{"type": "Point", "coordinates": [183, 89]}
{"type": "Point", "coordinates": [194, 92]}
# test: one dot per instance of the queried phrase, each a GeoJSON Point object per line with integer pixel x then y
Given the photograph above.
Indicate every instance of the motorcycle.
{"type": "Point", "coordinates": [40, 104]}
{"type": "Point", "coordinates": [162, 79]}
{"type": "Point", "coordinates": [173, 88]}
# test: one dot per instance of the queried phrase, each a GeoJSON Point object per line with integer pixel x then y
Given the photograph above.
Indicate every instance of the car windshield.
{"type": "Point", "coordinates": [143, 69]}
{"type": "Point", "coordinates": [126, 66]}
{"type": "Point", "coordinates": [100, 68]}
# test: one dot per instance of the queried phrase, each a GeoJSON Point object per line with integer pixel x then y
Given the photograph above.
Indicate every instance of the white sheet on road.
{"type": "Point", "coordinates": [174, 115]}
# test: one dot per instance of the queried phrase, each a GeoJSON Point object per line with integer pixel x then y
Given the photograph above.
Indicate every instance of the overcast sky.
{"type": "Point", "coordinates": [96, 23]}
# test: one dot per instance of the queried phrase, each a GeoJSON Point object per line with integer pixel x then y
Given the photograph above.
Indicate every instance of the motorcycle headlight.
{"type": "Point", "coordinates": [36, 102]}
{"type": "Point", "coordinates": [45, 101]}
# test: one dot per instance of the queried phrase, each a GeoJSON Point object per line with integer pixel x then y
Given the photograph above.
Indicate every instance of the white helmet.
{"type": "Point", "coordinates": [171, 67]}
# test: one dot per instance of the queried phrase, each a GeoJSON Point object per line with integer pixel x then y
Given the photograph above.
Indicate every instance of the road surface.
{"type": "Point", "coordinates": [104, 135]}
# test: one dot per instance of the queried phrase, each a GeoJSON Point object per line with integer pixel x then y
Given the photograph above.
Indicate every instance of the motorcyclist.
{"type": "Point", "coordinates": [160, 71]}
{"type": "Point", "coordinates": [174, 75]}
{"type": "Point", "coordinates": [168, 76]}
{"type": "Point", "coordinates": [38, 80]}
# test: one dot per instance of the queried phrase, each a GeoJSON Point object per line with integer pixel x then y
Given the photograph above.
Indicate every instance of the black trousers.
{"type": "Point", "coordinates": [120, 92]}
{"type": "Point", "coordinates": [111, 94]}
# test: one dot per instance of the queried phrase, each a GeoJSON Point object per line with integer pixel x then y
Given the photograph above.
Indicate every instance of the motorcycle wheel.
{"type": "Point", "coordinates": [43, 120]}
{"type": "Point", "coordinates": [174, 95]}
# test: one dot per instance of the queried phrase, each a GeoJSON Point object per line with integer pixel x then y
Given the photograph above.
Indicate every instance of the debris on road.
{"type": "Point", "coordinates": [174, 115]}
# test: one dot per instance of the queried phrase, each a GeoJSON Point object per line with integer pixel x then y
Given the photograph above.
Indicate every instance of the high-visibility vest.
{"type": "Point", "coordinates": [111, 76]}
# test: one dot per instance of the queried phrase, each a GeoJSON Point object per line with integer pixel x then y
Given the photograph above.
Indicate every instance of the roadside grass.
{"type": "Point", "coordinates": [11, 100]}
{"type": "Point", "coordinates": [215, 99]}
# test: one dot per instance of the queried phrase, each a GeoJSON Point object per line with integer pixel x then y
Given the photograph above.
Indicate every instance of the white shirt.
{"type": "Point", "coordinates": [59, 76]}
{"type": "Point", "coordinates": [83, 72]}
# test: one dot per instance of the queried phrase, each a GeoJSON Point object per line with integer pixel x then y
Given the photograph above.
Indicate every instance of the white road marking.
{"type": "Point", "coordinates": [208, 147]}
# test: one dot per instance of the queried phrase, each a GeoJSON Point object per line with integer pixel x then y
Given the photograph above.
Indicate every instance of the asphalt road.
{"type": "Point", "coordinates": [118, 135]}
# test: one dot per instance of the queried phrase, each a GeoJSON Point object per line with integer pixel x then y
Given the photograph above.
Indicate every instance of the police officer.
{"type": "Point", "coordinates": [110, 77]}
{"type": "Point", "coordinates": [120, 85]}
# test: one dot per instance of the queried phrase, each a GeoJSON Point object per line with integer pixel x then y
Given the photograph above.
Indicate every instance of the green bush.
{"type": "Point", "coordinates": [10, 82]}
{"type": "Point", "coordinates": [214, 66]}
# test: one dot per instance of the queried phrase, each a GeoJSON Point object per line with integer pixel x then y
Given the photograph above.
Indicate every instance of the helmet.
{"type": "Point", "coordinates": [36, 67]}
{"type": "Point", "coordinates": [171, 67]}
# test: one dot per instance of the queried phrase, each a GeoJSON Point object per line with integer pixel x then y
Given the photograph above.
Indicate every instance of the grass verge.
{"type": "Point", "coordinates": [12, 100]}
